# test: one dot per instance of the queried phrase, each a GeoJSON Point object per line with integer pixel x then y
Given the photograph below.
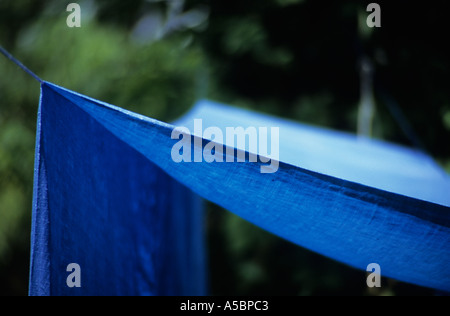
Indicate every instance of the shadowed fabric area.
{"type": "Point", "coordinates": [109, 197]}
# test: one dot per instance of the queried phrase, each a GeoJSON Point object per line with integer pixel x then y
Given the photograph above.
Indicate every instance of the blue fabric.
{"type": "Point", "coordinates": [103, 205]}
{"type": "Point", "coordinates": [109, 197]}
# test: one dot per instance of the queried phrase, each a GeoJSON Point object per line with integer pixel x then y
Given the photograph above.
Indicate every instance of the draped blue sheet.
{"type": "Point", "coordinates": [109, 197]}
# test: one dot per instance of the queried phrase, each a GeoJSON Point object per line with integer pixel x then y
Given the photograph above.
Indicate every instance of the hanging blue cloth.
{"type": "Point", "coordinates": [100, 203]}
{"type": "Point", "coordinates": [109, 196]}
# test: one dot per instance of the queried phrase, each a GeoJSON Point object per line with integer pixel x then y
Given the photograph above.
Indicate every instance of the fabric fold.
{"type": "Point", "coordinates": [111, 211]}
{"type": "Point", "coordinates": [110, 174]}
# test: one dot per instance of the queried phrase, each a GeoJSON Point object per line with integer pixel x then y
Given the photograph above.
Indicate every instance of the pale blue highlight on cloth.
{"type": "Point", "coordinates": [109, 197]}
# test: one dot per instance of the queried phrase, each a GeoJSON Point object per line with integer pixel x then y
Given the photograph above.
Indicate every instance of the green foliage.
{"type": "Point", "coordinates": [158, 79]}
{"type": "Point", "coordinates": [446, 119]}
{"type": "Point", "coordinates": [315, 109]}
{"type": "Point", "coordinates": [288, 2]}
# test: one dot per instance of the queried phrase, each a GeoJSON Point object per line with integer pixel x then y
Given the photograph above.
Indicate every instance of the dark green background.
{"type": "Point", "coordinates": [291, 58]}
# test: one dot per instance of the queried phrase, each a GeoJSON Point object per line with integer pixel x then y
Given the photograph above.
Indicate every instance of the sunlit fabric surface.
{"type": "Point", "coordinates": [109, 197]}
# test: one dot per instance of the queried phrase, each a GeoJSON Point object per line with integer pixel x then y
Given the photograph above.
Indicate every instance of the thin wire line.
{"type": "Point", "coordinates": [18, 63]}
{"type": "Point", "coordinates": [400, 118]}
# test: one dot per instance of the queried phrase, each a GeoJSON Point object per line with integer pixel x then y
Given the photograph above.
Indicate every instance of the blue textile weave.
{"type": "Point", "coordinates": [109, 197]}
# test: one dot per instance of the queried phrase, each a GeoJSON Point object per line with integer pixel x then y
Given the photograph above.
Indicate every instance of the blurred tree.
{"type": "Point", "coordinates": [301, 60]}
{"type": "Point", "coordinates": [102, 60]}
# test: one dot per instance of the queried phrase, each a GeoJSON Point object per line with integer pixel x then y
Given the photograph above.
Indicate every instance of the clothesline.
{"type": "Point", "coordinates": [353, 201]}
{"type": "Point", "coordinates": [18, 63]}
